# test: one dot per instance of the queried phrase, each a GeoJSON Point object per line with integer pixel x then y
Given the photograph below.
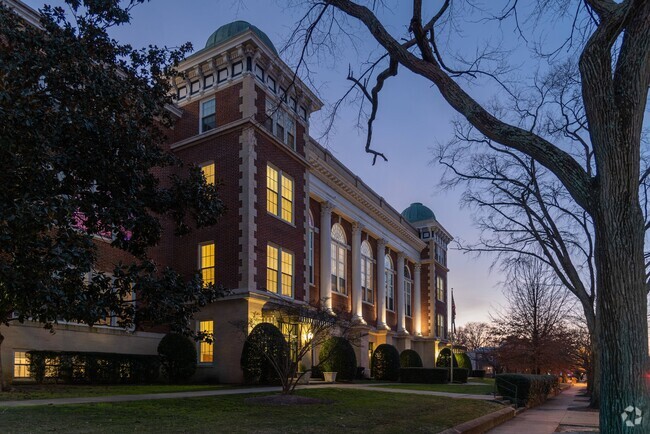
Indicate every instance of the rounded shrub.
{"type": "Point", "coordinates": [264, 342]}
{"type": "Point", "coordinates": [385, 363]}
{"type": "Point", "coordinates": [463, 361]}
{"type": "Point", "coordinates": [444, 358]}
{"type": "Point", "coordinates": [337, 355]}
{"type": "Point", "coordinates": [410, 359]}
{"type": "Point", "coordinates": [177, 357]}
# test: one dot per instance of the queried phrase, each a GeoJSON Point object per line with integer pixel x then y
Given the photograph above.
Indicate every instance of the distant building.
{"type": "Point", "coordinates": [300, 225]}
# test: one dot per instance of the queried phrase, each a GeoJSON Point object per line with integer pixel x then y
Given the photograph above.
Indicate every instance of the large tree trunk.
{"type": "Point", "coordinates": [3, 386]}
{"type": "Point", "coordinates": [621, 308]}
{"type": "Point", "coordinates": [593, 376]}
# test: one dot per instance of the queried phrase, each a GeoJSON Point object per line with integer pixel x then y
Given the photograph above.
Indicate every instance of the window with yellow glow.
{"type": "Point", "coordinates": [279, 194]}
{"type": "Point", "coordinates": [279, 271]}
{"type": "Point", "coordinates": [21, 365]}
{"type": "Point", "coordinates": [209, 173]}
{"type": "Point", "coordinates": [206, 262]}
{"type": "Point", "coordinates": [206, 350]}
{"type": "Point", "coordinates": [440, 288]}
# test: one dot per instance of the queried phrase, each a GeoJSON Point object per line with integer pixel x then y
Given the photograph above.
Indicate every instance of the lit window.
{"type": "Point", "coordinates": [366, 272]}
{"type": "Point", "coordinates": [279, 271]}
{"type": "Point", "coordinates": [208, 171]}
{"type": "Point", "coordinates": [440, 329]}
{"type": "Point", "coordinates": [339, 250]}
{"type": "Point", "coordinates": [279, 194]}
{"type": "Point", "coordinates": [208, 115]}
{"type": "Point", "coordinates": [310, 241]}
{"type": "Point", "coordinates": [390, 284]}
{"type": "Point", "coordinates": [440, 288]}
{"type": "Point", "coordinates": [206, 350]}
{"type": "Point", "coordinates": [408, 289]}
{"type": "Point", "coordinates": [21, 364]}
{"type": "Point", "coordinates": [206, 263]}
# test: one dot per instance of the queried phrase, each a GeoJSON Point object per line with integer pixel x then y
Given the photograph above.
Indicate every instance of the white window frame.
{"type": "Point", "coordinates": [201, 343]}
{"type": "Point", "coordinates": [311, 235]}
{"type": "Point", "coordinates": [278, 289]}
{"type": "Point", "coordinates": [390, 283]}
{"type": "Point", "coordinates": [199, 259]}
{"type": "Point", "coordinates": [339, 267]}
{"type": "Point", "coordinates": [22, 366]}
{"type": "Point", "coordinates": [278, 212]}
{"type": "Point", "coordinates": [280, 118]}
{"type": "Point", "coordinates": [408, 292]}
{"type": "Point", "coordinates": [367, 264]}
{"type": "Point", "coordinates": [202, 115]}
{"type": "Point", "coordinates": [440, 289]}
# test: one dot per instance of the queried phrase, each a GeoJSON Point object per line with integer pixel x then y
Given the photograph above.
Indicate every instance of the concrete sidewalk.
{"type": "Point", "coordinates": [223, 392]}
{"type": "Point", "coordinates": [553, 416]}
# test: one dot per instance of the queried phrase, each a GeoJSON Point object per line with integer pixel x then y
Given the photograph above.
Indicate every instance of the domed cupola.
{"type": "Point", "coordinates": [229, 31]}
{"type": "Point", "coordinates": [417, 212]}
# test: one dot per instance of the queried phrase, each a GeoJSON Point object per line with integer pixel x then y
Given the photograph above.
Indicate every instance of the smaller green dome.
{"type": "Point", "coordinates": [229, 31]}
{"type": "Point", "coordinates": [417, 212]}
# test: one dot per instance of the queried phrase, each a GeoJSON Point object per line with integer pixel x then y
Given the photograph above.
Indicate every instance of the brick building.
{"type": "Point", "coordinates": [300, 225]}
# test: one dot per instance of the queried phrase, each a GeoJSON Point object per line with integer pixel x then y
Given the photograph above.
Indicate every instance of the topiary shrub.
{"type": "Point", "coordinates": [177, 358]}
{"type": "Point", "coordinates": [410, 359]}
{"type": "Point", "coordinates": [337, 355]}
{"type": "Point", "coordinates": [264, 341]}
{"type": "Point", "coordinates": [443, 359]}
{"type": "Point", "coordinates": [385, 363]}
{"type": "Point", "coordinates": [463, 361]}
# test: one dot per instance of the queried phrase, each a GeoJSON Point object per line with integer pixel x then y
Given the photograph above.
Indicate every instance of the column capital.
{"type": "Point", "coordinates": [401, 256]}
{"type": "Point", "coordinates": [417, 266]}
{"type": "Point", "coordinates": [326, 207]}
{"type": "Point", "coordinates": [381, 243]}
{"type": "Point", "coordinates": [356, 227]}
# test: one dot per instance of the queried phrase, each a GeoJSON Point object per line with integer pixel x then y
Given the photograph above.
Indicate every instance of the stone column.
{"type": "Point", "coordinates": [401, 308]}
{"type": "Point", "coordinates": [357, 309]}
{"type": "Point", "coordinates": [326, 255]}
{"type": "Point", "coordinates": [417, 300]}
{"type": "Point", "coordinates": [381, 284]}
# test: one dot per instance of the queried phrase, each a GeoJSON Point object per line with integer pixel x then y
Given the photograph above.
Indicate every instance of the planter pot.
{"type": "Point", "coordinates": [305, 378]}
{"type": "Point", "coordinates": [329, 377]}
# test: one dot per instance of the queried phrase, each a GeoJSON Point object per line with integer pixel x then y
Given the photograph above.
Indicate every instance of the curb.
{"type": "Point", "coordinates": [483, 423]}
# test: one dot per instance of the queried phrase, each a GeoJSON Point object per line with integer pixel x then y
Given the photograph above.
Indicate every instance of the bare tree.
{"type": "Point", "coordinates": [611, 41]}
{"type": "Point", "coordinates": [474, 335]}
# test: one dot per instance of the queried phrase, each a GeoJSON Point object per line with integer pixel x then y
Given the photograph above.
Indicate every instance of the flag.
{"type": "Point", "coordinates": [453, 311]}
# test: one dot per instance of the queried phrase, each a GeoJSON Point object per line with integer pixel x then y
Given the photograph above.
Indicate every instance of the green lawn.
{"type": "Point", "coordinates": [483, 389]}
{"type": "Point", "coordinates": [49, 391]}
{"type": "Point", "coordinates": [351, 411]}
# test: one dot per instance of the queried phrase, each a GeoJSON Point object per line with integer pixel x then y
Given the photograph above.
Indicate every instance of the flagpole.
{"type": "Point", "coordinates": [451, 359]}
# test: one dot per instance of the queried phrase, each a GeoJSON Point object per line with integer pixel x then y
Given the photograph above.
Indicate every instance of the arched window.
{"type": "Point", "coordinates": [339, 250]}
{"type": "Point", "coordinates": [390, 283]}
{"type": "Point", "coordinates": [408, 291]}
{"type": "Point", "coordinates": [366, 273]}
{"type": "Point", "coordinates": [310, 246]}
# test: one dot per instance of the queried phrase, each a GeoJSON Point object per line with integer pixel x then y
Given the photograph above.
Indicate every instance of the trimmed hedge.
{"type": "Point", "coordinates": [385, 363]}
{"type": "Point", "coordinates": [423, 375]}
{"type": "Point", "coordinates": [443, 359]}
{"type": "Point", "coordinates": [177, 357]}
{"type": "Point", "coordinates": [265, 338]}
{"type": "Point", "coordinates": [460, 375]}
{"type": "Point", "coordinates": [75, 367]}
{"type": "Point", "coordinates": [531, 390]}
{"type": "Point", "coordinates": [478, 373]}
{"type": "Point", "coordinates": [410, 359]}
{"type": "Point", "coordinates": [338, 356]}
{"type": "Point", "coordinates": [463, 361]}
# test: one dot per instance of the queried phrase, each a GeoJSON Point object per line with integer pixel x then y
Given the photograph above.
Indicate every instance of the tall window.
{"type": "Point", "coordinates": [279, 194]}
{"type": "Point", "coordinates": [441, 254]}
{"type": "Point", "coordinates": [279, 271]}
{"type": "Point", "coordinates": [21, 365]}
{"type": "Point", "coordinates": [408, 290]}
{"type": "Point", "coordinates": [366, 272]}
{"type": "Point", "coordinates": [206, 262]}
{"type": "Point", "coordinates": [310, 246]}
{"type": "Point", "coordinates": [206, 350]}
{"type": "Point", "coordinates": [208, 115]}
{"type": "Point", "coordinates": [390, 283]}
{"type": "Point", "coordinates": [339, 249]}
{"type": "Point", "coordinates": [440, 329]}
{"type": "Point", "coordinates": [208, 172]}
{"type": "Point", "coordinates": [280, 124]}
{"type": "Point", "coordinates": [440, 288]}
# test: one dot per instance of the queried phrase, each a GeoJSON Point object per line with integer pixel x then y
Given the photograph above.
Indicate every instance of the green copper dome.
{"type": "Point", "coordinates": [417, 212]}
{"type": "Point", "coordinates": [228, 31]}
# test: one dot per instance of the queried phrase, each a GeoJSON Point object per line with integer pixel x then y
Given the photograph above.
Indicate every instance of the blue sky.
{"type": "Point", "coordinates": [412, 116]}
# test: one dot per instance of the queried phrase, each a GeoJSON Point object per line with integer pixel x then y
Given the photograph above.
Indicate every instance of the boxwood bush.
{"type": "Point", "coordinates": [460, 375]}
{"type": "Point", "coordinates": [410, 359]}
{"type": "Point", "coordinates": [337, 355]}
{"type": "Point", "coordinates": [531, 390]}
{"type": "Point", "coordinates": [385, 363]}
{"type": "Point", "coordinates": [76, 367]}
{"type": "Point", "coordinates": [423, 375]}
{"type": "Point", "coordinates": [463, 361]}
{"type": "Point", "coordinates": [443, 359]}
{"type": "Point", "coordinates": [177, 357]}
{"type": "Point", "coordinates": [265, 338]}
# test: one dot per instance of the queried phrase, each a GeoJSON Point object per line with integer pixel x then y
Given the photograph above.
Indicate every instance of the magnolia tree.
{"type": "Point", "coordinates": [82, 162]}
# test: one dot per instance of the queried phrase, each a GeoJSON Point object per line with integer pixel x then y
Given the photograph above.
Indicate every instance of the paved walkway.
{"type": "Point", "coordinates": [221, 392]}
{"type": "Point", "coordinates": [553, 416]}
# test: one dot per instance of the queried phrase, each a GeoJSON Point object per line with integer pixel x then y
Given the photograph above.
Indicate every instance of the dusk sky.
{"type": "Point", "coordinates": [412, 118]}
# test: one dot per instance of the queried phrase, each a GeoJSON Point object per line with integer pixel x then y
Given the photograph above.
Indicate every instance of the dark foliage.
{"type": "Point", "coordinates": [177, 357]}
{"type": "Point", "coordinates": [263, 343]}
{"type": "Point", "coordinates": [424, 375]}
{"type": "Point", "coordinates": [337, 355]}
{"type": "Point", "coordinates": [410, 359]}
{"type": "Point", "coordinates": [524, 389]}
{"type": "Point", "coordinates": [92, 368]}
{"type": "Point", "coordinates": [460, 375]}
{"type": "Point", "coordinates": [478, 373]}
{"type": "Point", "coordinates": [443, 359]}
{"type": "Point", "coordinates": [385, 363]}
{"type": "Point", "coordinates": [463, 361]}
